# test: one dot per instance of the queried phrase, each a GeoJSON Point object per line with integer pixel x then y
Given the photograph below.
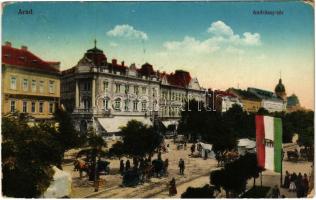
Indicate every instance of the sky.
{"type": "Point", "coordinates": [223, 44]}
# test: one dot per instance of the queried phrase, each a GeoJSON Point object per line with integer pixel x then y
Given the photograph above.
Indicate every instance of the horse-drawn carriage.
{"type": "Point", "coordinates": [84, 163]}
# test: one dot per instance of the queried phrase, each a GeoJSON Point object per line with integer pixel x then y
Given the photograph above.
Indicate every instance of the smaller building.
{"type": "Point", "coordinates": [225, 100]}
{"type": "Point", "coordinates": [269, 100]}
{"type": "Point", "coordinates": [29, 84]}
{"type": "Point", "coordinates": [251, 103]}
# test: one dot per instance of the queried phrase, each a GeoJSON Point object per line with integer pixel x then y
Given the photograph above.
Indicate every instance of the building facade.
{"type": "Point", "coordinates": [106, 95]}
{"type": "Point", "coordinates": [225, 101]}
{"type": "Point", "coordinates": [29, 84]}
{"type": "Point", "coordinates": [251, 103]}
{"type": "Point", "coordinates": [269, 100]}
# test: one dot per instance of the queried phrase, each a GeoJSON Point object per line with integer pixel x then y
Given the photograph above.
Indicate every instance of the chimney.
{"type": "Point", "coordinates": [122, 63]}
{"type": "Point", "coordinates": [8, 44]}
{"type": "Point", "coordinates": [114, 61]}
{"type": "Point", "coordinates": [24, 48]}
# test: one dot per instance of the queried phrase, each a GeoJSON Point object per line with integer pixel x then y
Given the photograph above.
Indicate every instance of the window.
{"type": "Point", "coordinates": [33, 107]}
{"type": "Point", "coordinates": [144, 106]}
{"type": "Point", "coordinates": [25, 85]}
{"type": "Point", "coordinates": [86, 103]}
{"type": "Point", "coordinates": [24, 106]}
{"type": "Point", "coordinates": [33, 85]}
{"type": "Point", "coordinates": [126, 105]}
{"type": "Point", "coordinates": [13, 83]}
{"type": "Point", "coordinates": [144, 90]}
{"type": "Point", "coordinates": [126, 89]}
{"type": "Point", "coordinates": [106, 104]}
{"type": "Point", "coordinates": [51, 107]}
{"type": "Point", "coordinates": [135, 104]}
{"type": "Point", "coordinates": [86, 86]}
{"type": "Point", "coordinates": [117, 88]}
{"type": "Point", "coordinates": [12, 105]}
{"type": "Point", "coordinates": [105, 85]}
{"type": "Point", "coordinates": [117, 105]}
{"type": "Point", "coordinates": [51, 87]}
{"type": "Point", "coordinates": [41, 107]}
{"type": "Point", "coordinates": [136, 89]}
{"type": "Point", "coordinates": [41, 86]}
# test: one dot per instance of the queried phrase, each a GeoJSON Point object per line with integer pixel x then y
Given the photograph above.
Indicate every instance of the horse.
{"type": "Point", "coordinates": [81, 166]}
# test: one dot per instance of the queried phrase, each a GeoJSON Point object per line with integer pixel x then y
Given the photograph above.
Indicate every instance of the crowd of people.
{"type": "Point", "coordinates": [296, 183]}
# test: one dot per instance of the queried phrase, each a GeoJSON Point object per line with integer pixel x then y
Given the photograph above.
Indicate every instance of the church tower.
{"type": "Point", "coordinates": [280, 90]}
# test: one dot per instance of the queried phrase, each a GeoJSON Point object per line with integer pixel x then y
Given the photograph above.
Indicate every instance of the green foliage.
{"type": "Point", "coordinates": [138, 140]}
{"type": "Point", "coordinates": [27, 154]}
{"type": "Point", "coordinates": [213, 127]}
{"type": "Point", "coordinates": [67, 135]}
{"type": "Point", "coordinates": [233, 177]}
{"type": "Point", "coordinates": [210, 126]}
{"type": "Point", "coordinates": [117, 150]}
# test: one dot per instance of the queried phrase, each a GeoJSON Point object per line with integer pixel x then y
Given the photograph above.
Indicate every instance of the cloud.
{"type": "Point", "coordinates": [220, 28]}
{"type": "Point", "coordinates": [251, 39]}
{"type": "Point", "coordinates": [192, 44]}
{"type": "Point", "coordinates": [222, 37]}
{"type": "Point", "coordinates": [127, 31]}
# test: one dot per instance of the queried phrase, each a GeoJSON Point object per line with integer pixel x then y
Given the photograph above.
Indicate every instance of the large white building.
{"type": "Point", "coordinates": [106, 95]}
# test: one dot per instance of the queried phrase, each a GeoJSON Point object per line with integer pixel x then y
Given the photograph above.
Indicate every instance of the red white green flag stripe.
{"type": "Point", "coordinates": [269, 142]}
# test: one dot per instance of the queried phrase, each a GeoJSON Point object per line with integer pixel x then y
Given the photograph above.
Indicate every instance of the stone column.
{"type": "Point", "coordinates": [93, 93]}
{"type": "Point", "coordinates": [77, 95]}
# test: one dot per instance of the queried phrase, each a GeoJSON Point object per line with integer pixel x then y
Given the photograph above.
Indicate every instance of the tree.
{"type": "Point", "coordinates": [233, 177]}
{"type": "Point", "coordinates": [66, 134]}
{"type": "Point", "coordinates": [27, 156]}
{"type": "Point", "coordinates": [96, 143]}
{"type": "Point", "coordinates": [138, 139]}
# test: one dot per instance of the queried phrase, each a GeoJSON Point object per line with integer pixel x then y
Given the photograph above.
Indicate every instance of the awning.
{"type": "Point", "coordinates": [169, 122]}
{"type": "Point", "coordinates": [113, 124]}
{"type": "Point", "coordinates": [245, 142]}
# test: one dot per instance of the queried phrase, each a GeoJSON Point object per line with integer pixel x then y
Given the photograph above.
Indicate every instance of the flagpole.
{"type": "Point", "coordinates": [281, 177]}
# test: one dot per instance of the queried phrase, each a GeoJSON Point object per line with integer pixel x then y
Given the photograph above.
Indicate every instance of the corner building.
{"type": "Point", "coordinates": [106, 95]}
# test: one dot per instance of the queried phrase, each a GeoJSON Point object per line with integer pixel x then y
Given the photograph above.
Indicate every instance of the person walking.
{"type": "Point", "coordinates": [122, 167]}
{"type": "Point", "coordinates": [286, 180]}
{"type": "Point", "coordinates": [305, 185]}
{"type": "Point", "coordinates": [172, 187]}
{"type": "Point", "coordinates": [181, 166]}
{"type": "Point", "coordinates": [293, 178]}
{"type": "Point", "coordinates": [127, 165]}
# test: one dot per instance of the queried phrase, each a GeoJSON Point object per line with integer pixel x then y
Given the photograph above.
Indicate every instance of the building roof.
{"type": "Point", "coordinates": [180, 78]}
{"type": "Point", "coordinates": [292, 100]}
{"type": "Point", "coordinates": [279, 88]}
{"type": "Point", "coordinates": [264, 94]}
{"type": "Point", "coordinates": [26, 59]}
{"type": "Point", "coordinates": [224, 93]}
{"type": "Point", "coordinates": [244, 94]}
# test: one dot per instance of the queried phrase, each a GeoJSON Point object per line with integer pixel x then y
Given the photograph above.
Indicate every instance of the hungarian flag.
{"type": "Point", "coordinates": [269, 142]}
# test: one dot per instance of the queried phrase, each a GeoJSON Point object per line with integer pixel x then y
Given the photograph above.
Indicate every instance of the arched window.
{"type": "Point", "coordinates": [117, 104]}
